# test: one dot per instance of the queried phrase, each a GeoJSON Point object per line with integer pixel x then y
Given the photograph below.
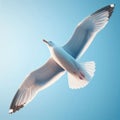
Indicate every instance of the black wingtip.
{"type": "Point", "coordinates": [13, 106]}
{"type": "Point", "coordinates": [16, 108]}
{"type": "Point", "coordinates": [108, 8]}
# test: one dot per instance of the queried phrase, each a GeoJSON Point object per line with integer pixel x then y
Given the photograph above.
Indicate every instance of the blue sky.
{"type": "Point", "coordinates": [23, 25]}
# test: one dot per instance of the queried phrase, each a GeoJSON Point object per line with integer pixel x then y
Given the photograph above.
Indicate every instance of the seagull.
{"type": "Point", "coordinates": [64, 59]}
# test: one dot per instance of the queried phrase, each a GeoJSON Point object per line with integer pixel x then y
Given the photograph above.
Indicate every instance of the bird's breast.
{"type": "Point", "coordinates": [65, 60]}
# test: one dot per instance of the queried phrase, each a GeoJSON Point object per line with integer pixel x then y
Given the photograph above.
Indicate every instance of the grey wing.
{"type": "Point", "coordinates": [87, 30]}
{"type": "Point", "coordinates": [34, 82]}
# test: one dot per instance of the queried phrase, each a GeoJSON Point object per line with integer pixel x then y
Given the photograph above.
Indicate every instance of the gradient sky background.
{"type": "Point", "coordinates": [23, 25]}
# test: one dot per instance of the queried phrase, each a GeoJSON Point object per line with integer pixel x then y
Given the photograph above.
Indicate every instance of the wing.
{"type": "Point", "coordinates": [34, 82]}
{"type": "Point", "coordinates": [87, 30]}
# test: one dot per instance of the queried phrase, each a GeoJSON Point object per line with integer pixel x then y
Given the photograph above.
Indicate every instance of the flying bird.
{"type": "Point", "coordinates": [63, 59]}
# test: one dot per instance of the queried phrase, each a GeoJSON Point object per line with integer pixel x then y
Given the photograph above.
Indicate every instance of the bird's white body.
{"type": "Point", "coordinates": [65, 60]}
{"type": "Point", "coordinates": [76, 72]}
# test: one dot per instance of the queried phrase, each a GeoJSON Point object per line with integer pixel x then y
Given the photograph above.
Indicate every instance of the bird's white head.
{"type": "Point", "coordinates": [49, 43]}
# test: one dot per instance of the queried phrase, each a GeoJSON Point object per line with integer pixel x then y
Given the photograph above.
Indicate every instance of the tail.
{"type": "Point", "coordinates": [81, 80]}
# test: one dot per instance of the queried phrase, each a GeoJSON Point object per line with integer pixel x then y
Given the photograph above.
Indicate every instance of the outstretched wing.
{"type": "Point", "coordinates": [87, 30]}
{"type": "Point", "coordinates": [34, 82]}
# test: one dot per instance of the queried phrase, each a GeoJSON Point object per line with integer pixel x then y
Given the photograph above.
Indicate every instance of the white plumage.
{"type": "Point", "coordinates": [63, 59]}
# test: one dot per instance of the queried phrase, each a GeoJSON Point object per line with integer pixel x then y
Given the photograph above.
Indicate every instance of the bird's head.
{"type": "Point", "coordinates": [49, 43]}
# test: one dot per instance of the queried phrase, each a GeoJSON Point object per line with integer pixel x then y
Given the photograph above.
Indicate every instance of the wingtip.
{"type": "Point", "coordinates": [108, 8]}
{"type": "Point", "coordinates": [10, 111]}
{"type": "Point", "coordinates": [112, 5]}
{"type": "Point", "coordinates": [16, 108]}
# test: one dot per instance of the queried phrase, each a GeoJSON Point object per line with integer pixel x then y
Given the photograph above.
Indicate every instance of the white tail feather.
{"type": "Point", "coordinates": [75, 82]}
{"type": "Point", "coordinates": [88, 69]}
